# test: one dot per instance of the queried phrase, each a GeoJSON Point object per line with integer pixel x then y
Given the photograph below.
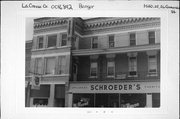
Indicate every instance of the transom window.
{"type": "Point", "coordinates": [111, 41]}
{"type": "Point", "coordinates": [132, 39]}
{"type": "Point", "coordinates": [110, 68]}
{"type": "Point", "coordinates": [52, 41]}
{"type": "Point", "coordinates": [50, 65]}
{"type": "Point", "coordinates": [64, 40]}
{"type": "Point", "coordinates": [93, 70]}
{"type": "Point", "coordinates": [94, 42]}
{"type": "Point", "coordinates": [151, 36]}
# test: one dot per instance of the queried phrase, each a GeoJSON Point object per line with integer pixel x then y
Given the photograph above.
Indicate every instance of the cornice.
{"type": "Point", "coordinates": [124, 27]}
{"type": "Point", "coordinates": [50, 22]}
{"type": "Point", "coordinates": [50, 28]}
{"type": "Point", "coordinates": [117, 22]}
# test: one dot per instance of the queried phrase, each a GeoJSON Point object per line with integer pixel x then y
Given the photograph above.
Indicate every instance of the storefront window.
{"type": "Point", "coordinates": [83, 100]}
{"type": "Point", "coordinates": [156, 100]}
{"type": "Point", "coordinates": [133, 100]}
{"type": "Point", "coordinates": [40, 102]}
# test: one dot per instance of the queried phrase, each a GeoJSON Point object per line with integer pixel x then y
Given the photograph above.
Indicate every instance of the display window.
{"type": "Point", "coordinates": [83, 100]}
{"type": "Point", "coordinates": [155, 100]}
{"type": "Point", "coordinates": [133, 100]}
{"type": "Point", "coordinates": [40, 102]}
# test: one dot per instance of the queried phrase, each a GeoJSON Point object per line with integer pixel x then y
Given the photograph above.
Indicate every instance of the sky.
{"type": "Point", "coordinates": [29, 29]}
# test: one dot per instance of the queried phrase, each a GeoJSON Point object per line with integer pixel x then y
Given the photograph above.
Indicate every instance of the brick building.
{"type": "Point", "coordinates": [96, 62]}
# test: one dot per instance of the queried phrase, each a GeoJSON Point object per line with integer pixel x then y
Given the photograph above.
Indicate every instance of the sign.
{"type": "Point", "coordinates": [124, 87]}
{"type": "Point", "coordinates": [36, 82]}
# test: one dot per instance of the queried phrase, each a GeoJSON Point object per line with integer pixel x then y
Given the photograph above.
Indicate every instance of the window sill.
{"type": "Point", "coordinates": [110, 76]}
{"type": "Point", "coordinates": [47, 75]}
{"type": "Point", "coordinates": [152, 74]}
{"type": "Point", "coordinates": [132, 75]}
{"type": "Point", "coordinates": [93, 77]}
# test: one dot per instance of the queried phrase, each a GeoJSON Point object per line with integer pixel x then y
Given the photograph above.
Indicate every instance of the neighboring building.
{"type": "Point", "coordinates": [97, 62]}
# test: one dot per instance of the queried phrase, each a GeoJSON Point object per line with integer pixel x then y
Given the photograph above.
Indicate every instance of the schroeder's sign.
{"type": "Point", "coordinates": [129, 87]}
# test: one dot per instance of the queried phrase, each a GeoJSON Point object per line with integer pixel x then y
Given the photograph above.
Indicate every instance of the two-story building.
{"type": "Point", "coordinates": [96, 62]}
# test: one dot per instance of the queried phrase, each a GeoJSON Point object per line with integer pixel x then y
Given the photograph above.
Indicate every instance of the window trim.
{"type": "Point", "coordinates": [92, 42]}
{"type": "Point", "coordinates": [113, 40]}
{"type": "Point", "coordinates": [62, 39]}
{"type": "Point", "coordinates": [111, 76]}
{"type": "Point", "coordinates": [152, 73]}
{"type": "Point", "coordinates": [129, 66]}
{"type": "Point", "coordinates": [45, 69]}
{"type": "Point", "coordinates": [48, 40]}
{"type": "Point", "coordinates": [36, 66]}
{"type": "Point", "coordinates": [37, 47]}
{"type": "Point", "coordinates": [59, 60]}
{"type": "Point", "coordinates": [96, 70]}
{"type": "Point", "coordinates": [130, 39]}
{"type": "Point", "coordinates": [154, 36]}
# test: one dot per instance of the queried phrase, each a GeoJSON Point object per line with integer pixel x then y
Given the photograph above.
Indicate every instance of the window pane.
{"type": "Point", "coordinates": [50, 65]}
{"type": "Point", "coordinates": [152, 64]}
{"type": "Point", "coordinates": [93, 69]}
{"type": "Point", "coordinates": [132, 64]}
{"type": "Point", "coordinates": [151, 37]}
{"type": "Point", "coordinates": [52, 40]}
{"type": "Point", "coordinates": [132, 39]}
{"type": "Point", "coordinates": [111, 41]}
{"type": "Point", "coordinates": [62, 65]}
{"type": "Point", "coordinates": [94, 42]}
{"type": "Point", "coordinates": [40, 45]}
{"type": "Point", "coordinates": [64, 40]}
{"type": "Point", "coordinates": [38, 66]}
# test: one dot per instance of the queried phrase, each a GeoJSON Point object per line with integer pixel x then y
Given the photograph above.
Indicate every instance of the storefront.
{"type": "Point", "coordinates": [126, 94]}
{"type": "Point", "coordinates": [52, 95]}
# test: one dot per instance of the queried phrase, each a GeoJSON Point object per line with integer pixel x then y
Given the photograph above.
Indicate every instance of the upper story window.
{"type": "Point", "coordinates": [111, 41]}
{"type": "Point", "coordinates": [152, 64]}
{"type": "Point", "coordinates": [132, 65]}
{"type": "Point", "coordinates": [62, 65]}
{"type": "Point", "coordinates": [64, 40]}
{"type": "Point", "coordinates": [52, 40]}
{"type": "Point", "coordinates": [93, 69]}
{"type": "Point", "coordinates": [40, 42]}
{"type": "Point", "coordinates": [110, 68]}
{"type": "Point", "coordinates": [38, 66]}
{"type": "Point", "coordinates": [95, 42]}
{"type": "Point", "coordinates": [151, 36]}
{"type": "Point", "coordinates": [132, 38]}
{"type": "Point", "coordinates": [50, 65]}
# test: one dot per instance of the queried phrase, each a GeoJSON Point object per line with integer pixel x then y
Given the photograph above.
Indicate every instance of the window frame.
{"type": "Point", "coordinates": [92, 39]}
{"type": "Point", "coordinates": [113, 69]}
{"type": "Point", "coordinates": [48, 40]}
{"type": "Point", "coordinates": [133, 67]}
{"type": "Point", "coordinates": [96, 70]}
{"type": "Point", "coordinates": [111, 41]}
{"type": "Point", "coordinates": [45, 71]}
{"type": "Point", "coordinates": [64, 40]}
{"type": "Point", "coordinates": [38, 38]}
{"type": "Point", "coordinates": [152, 73]}
{"type": "Point", "coordinates": [151, 38]}
{"type": "Point", "coordinates": [60, 61]}
{"type": "Point", "coordinates": [130, 44]}
{"type": "Point", "coordinates": [36, 69]}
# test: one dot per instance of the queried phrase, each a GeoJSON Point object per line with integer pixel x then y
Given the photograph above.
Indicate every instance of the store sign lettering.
{"type": "Point", "coordinates": [116, 87]}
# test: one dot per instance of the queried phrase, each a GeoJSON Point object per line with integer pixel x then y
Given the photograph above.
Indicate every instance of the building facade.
{"type": "Point", "coordinates": [97, 62]}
